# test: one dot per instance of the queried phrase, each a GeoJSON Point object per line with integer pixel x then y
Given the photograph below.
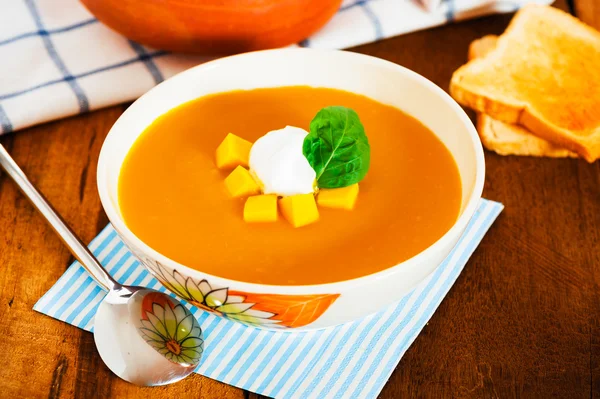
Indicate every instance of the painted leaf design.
{"type": "Point", "coordinates": [291, 310]}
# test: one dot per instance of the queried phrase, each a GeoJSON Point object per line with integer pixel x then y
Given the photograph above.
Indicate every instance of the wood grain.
{"type": "Point", "coordinates": [588, 11]}
{"type": "Point", "coordinates": [521, 321]}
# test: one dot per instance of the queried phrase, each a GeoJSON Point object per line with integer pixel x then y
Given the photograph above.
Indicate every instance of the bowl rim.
{"type": "Point", "coordinates": [337, 286]}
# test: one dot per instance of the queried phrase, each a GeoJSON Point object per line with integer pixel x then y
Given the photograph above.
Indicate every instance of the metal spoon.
{"type": "Point", "coordinates": [144, 336]}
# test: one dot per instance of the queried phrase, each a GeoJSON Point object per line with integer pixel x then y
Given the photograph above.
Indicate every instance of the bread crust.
{"type": "Point", "coordinates": [505, 139]}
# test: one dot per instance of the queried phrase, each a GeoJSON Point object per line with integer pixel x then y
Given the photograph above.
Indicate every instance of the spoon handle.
{"type": "Point", "coordinates": [78, 249]}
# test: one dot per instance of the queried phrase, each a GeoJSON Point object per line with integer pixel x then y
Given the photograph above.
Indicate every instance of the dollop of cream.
{"type": "Point", "coordinates": [278, 164]}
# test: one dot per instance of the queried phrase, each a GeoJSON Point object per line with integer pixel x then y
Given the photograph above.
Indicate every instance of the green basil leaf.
{"type": "Point", "coordinates": [337, 147]}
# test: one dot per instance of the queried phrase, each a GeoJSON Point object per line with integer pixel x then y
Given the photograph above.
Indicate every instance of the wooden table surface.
{"type": "Point", "coordinates": [523, 319]}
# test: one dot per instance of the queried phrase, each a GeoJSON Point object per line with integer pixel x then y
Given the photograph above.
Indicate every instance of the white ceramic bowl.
{"type": "Point", "coordinates": [325, 304]}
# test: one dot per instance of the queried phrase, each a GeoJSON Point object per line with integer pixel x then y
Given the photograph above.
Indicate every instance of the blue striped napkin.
{"type": "Point", "coordinates": [351, 361]}
{"type": "Point", "coordinates": [58, 60]}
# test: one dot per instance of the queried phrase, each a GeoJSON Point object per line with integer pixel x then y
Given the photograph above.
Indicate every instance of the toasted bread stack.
{"type": "Point", "coordinates": [536, 87]}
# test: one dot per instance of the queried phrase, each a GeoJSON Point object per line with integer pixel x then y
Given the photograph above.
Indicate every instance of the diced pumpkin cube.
{"type": "Point", "coordinates": [240, 183]}
{"type": "Point", "coordinates": [299, 210]}
{"type": "Point", "coordinates": [233, 151]}
{"type": "Point", "coordinates": [341, 198]}
{"type": "Point", "coordinates": [261, 208]}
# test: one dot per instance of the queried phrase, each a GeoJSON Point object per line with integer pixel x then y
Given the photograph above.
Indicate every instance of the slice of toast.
{"type": "Point", "coordinates": [544, 75]}
{"type": "Point", "coordinates": [503, 138]}
{"type": "Point", "coordinates": [506, 139]}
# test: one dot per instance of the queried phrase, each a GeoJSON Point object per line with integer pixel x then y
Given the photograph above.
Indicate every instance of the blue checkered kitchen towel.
{"type": "Point", "coordinates": [350, 361]}
{"type": "Point", "coordinates": [57, 60]}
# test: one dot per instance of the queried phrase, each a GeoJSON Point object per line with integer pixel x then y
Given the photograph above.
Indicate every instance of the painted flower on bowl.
{"type": "Point", "coordinates": [215, 300]}
{"type": "Point", "coordinates": [171, 329]}
{"type": "Point", "coordinates": [262, 310]}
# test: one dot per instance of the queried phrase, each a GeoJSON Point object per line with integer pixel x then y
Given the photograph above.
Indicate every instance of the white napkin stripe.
{"type": "Point", "coordinates": [47, 32]}
{"type": "Point", "coordinates": [147, 59]}
{"type": "Point", "coordinates": [82, 99]}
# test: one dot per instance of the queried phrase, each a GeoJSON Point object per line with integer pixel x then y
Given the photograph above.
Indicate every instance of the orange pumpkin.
{"type": "Point", "coordinates": [214, 26]}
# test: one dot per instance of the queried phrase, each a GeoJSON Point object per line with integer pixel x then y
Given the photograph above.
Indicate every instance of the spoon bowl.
{"type": "Point", "coordinates": [146, 337]}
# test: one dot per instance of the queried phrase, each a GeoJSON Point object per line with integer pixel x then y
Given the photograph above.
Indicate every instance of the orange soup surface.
{"type": "Point", "coordinates": [173, 198]}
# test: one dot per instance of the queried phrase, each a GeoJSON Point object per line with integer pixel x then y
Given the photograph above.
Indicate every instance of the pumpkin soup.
{"type": "Point", "coordinates": [173, 197]}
